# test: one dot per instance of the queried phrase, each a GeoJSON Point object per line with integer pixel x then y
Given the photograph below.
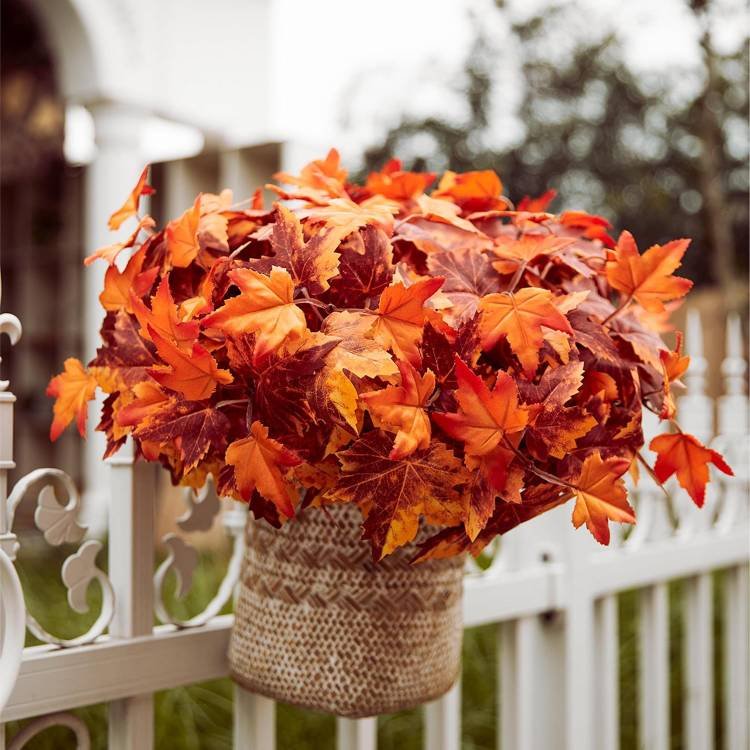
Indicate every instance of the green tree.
{"type": "Point", "coordinates": [607, 139]}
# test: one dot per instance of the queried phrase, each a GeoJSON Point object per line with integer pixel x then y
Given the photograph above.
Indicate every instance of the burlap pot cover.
{"type": "Point", "coordinates": [319, 625]}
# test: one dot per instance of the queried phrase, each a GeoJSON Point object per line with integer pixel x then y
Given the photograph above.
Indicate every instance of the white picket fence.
{"type": "Point", "coordinates": [551, 591]}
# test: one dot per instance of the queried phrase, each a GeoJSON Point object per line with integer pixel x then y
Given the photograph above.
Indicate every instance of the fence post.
{"type": "Point", "coordinates": [580, 635]}
{"type": "Point", "coordinates": [733, 439]}
{"type": "Point", "coordinates": [607, 673]}
{"type": "Point", "coordinates": [254, 721]}
{"type": "Point", "coordinates": [696, 417]}
{"type": "Point", "coordinates": [131, 569]}
{"type": "Point", "coordinates": [532, 648]}
{"type": "Point", "coordinates": [358, 734]}
{"type": "Point", "coordinates": [442, 721]}
{"type": "Point", "coordinates": [11, 619]}
{"type": "Point", "coordinates": [653, 526]}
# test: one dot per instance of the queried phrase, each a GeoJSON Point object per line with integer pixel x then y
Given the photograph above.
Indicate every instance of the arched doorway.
{"type": "Point", "coordinates": [40, 234]}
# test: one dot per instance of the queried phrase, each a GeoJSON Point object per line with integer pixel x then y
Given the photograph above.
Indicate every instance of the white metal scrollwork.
{"type": "Point", "coordinates": [12, 608]}
{"type": "Point", "coordinates": [10, 325]}
{"type": "Point", "coordinates": [203, 507]}
{"type": "Point", "coordinates": [59, 524]}
{"type": "Point", "coordinates": [72, 722]}
{"type": "Point", "coordinates": [11, 625]}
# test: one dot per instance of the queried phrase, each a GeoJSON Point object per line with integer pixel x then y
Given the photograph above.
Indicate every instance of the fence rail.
{"type": "Point", "coordinates": [558, 674]}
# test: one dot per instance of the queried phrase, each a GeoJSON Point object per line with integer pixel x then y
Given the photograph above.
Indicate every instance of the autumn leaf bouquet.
{"type": "Point", "coordinates": [438, 367]}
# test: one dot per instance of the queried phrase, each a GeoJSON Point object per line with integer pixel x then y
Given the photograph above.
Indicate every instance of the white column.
{"type": "Point", "coordinates": [243, 170]}
{"type": "Point", "coordinates": [184, 179]}
{"type": "Point", "coordinates": [109, 179]}
{"type": "Point", "coordinates": [296, 153]}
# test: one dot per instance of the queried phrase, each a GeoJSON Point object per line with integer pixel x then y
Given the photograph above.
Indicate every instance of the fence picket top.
{"type": "Point", "coordinates": [734, 366]}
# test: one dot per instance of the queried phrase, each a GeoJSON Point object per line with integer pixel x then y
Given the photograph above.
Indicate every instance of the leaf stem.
{"type": "Point", "coordinates": [516, 277]}
{"type": "Point", "coordinates": [317, 305]}
{"type": "Point", "coordinates": [534, 469]}
{"type": "Point", "coordinates": [616, 312]}
{"type": "Point", "coordinates": [232, 402]}
{"type": "Point", "coordinates": [313, 302]}
{"type": "Point", "coordinates": [651, 473]}
{"type": "Point", "coordinates": [237, 250]}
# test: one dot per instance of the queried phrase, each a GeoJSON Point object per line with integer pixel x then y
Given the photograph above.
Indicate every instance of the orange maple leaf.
{"type": "Point", "coordinates": [675, 365]}
{"type": "Point", "coordinates": [72, 389]}
{"type": "Point", "coordinates": [446, 212]}
{"type": "Point", "coordinates": [348, 216]}
{"type": "Point", "coordinates": [493, 476]}
{"type": "Point", "coordinates": [149, 397]}
{"type": "Point", "coordinates": [507, 516]}
{"type": "Point", "coordinates": [357, 352]}
{"type": "Point", "coordinates": [193, 307]}
{"type": "Point", "coordinates": [264, 307]}
{"type": "Point", "coordinates": [311, 264]}
{"type": "Point", "coordinates": [393, 182]}
{"type": "Point", "coordinates": [519, 317]}
{"type": "Point", "coordinates": [182, 236]}
{"type": "Point", "coordinates": [119, 285]}
{"type": "Point", "coordinates": [538, 204]}
{"type": "Point", "coordinates": [674, 362]}
{"type": "Point", "coordinates": [473, 191]}
{"type": "Point", "coordinates": [324, 175]}
{"type": "Point", "coordinates": [685, 456]}
{"type": "Point", "coordinates": [394, 493]}
{"type": "Point", "coordinates": [184, 430]}
{"type": "Point", "coordinates": [130, 207]}
{"type": "Point", "coordinates": [401, 316]}
{"type": "Point", "coordinates": [648, 278]}
{"type": "Point", "coordinates": [514, 252]}
{"type": "Point", "coordinates": [401, 408]}
{"type": "Point", "coordinates": [163, 317]}
{"type": "Point", "coordinates": [591, 226]}
{"type": "Point", "coordinates": [558, 428]}
{"type": "Point", "coordinates": [260, 463]}
{"type": "Point", "coordinates": [213, 233]}
{"type": "Point", "coordinates": [554, 428]}
{"type": "Point", "coordinates": [601, 496]}
{"type": "Point", "coordinates": [365, 268]}
{"type": "Point", "coordinates": [485, 416]}
{"type": "Point", "coordinates": [110, 252]}
{"type": "Point", "coordinates": [468, 277]}
{"type": "Point", "coordinates": [599, 384]}
{"type": "Point", "coordinates": [195, 374]}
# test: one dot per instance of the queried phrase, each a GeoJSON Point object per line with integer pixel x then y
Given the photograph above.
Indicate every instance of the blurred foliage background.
{"type": "Point", "coordinates": [649, 153]}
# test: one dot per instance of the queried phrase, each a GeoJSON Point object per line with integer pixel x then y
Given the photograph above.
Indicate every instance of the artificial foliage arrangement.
{"type": "Point", "coordinates": [437, 367]}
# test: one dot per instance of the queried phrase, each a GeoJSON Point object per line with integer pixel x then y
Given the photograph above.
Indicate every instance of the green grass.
{"type": "Point", "coordinates": [199, 717]}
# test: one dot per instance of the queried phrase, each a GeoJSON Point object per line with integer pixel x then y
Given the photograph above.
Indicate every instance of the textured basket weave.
{"type": "Point", "coordinates": [319, 625]}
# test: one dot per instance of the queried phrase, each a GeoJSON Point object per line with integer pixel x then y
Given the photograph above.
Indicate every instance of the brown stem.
{"type": "Point", "coordinates": [616, 312]}
{"type": "Point", "coordinates": [239, 249]}
{"type": "Point", "coordinates": [313, 302]}
{"type": "Point", "coordinates": [317, 305]}
{"type": "Point", "coordinates": [516, 277]}
{"type": "Point", "coordinates": [534, 469]}
{"type": "Point", "coordinates": [546, 269]}
{"type": "Point", "coordinates": [650, 471]}
{"type": "Point", "coordinates": [232, 402]}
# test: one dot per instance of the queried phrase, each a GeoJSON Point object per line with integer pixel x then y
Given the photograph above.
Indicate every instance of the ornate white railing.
{"type": "Point", "coordinates": [558, 675]}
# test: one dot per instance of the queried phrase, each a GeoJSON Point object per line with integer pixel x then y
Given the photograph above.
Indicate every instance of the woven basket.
{"type": "Point", "coordinates": [318, 625]}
